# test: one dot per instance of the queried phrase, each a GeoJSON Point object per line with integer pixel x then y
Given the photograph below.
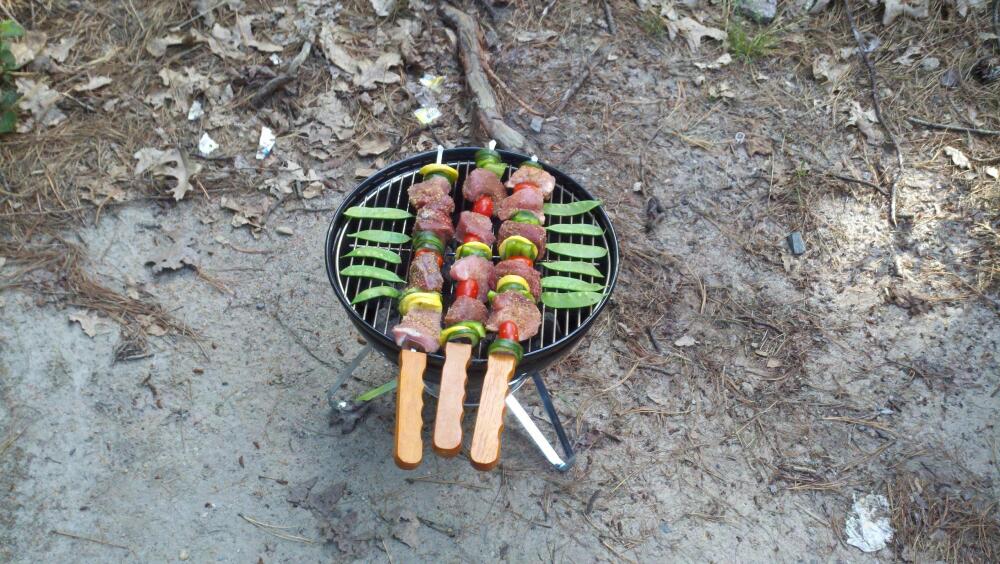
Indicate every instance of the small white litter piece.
{"type": "Point", "coordinates": [266, 143]}
{"type": "Point", "coordinates": [207, 145]}
{"type": "Point", "coordinates": [427, 115]}
{"type": "Point", "coordinates": [196, 111]}
{"type": "Point", "coordinates": [868, 527]}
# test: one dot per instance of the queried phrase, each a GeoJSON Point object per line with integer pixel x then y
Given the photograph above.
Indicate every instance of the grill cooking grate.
{"type": "Point", "coordinates": [381, 314]}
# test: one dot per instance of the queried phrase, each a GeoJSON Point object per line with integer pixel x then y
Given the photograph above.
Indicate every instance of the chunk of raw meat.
{"type": "Point", "coordinates": [466, 309]}
{"type": "Point", "coordinates": [533, 233]}
{"type": "Point", "coordinates": [482, 182]}
{"type": "Point", "coordinates": [545, 181]}
{"type": "Point", "coordinates": [420, 329]}
{"type": "Point", "coordinates": [513, 306]}
{"type": "Point", "coordinates": [425, 273]}
{"type": "Point", "coordinates": [427, 191]}
{"type": "Point", "coordinates": [472, 223]}
{"type": "Point", "coordinates": [527, 199]}
{"type": "Point", "coordinates": [435, 221]}
{"type": "Point", "coordinates": [474, 268]}
{"type": "Point", "coordinates": [516, 267]}
{"type": "Point", "coordinates": [442, 204]}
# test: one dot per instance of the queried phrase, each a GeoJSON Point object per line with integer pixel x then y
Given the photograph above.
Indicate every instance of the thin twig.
{"type": "Point", "coordinates": [871, 185]}
{"type": "Point", "coordinates": [508, 91]}
{"type": "Point", "coordinates": [282, 79]}
{"type": "Point", "coordinates": [275, 530]}
{"type": "Point", "coordinates": [877, 105]}
{"type": "Point", "coordinates": [89, 539]}
{"type": "Point", "coordinates": [956, 128]}
{"type": "Point", "coordinates": [595, 55]}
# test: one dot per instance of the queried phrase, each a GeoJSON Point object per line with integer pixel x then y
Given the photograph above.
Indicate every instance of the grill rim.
{"type": "Point", "coordinates": [542, 356]}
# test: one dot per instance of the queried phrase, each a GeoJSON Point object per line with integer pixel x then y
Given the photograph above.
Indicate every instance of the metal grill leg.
{"type": "Point", "coordinates": [535, 433]}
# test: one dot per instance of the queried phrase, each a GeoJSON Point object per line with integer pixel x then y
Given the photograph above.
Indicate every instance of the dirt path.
{"type": "Point", "coordinates": [729, 406]}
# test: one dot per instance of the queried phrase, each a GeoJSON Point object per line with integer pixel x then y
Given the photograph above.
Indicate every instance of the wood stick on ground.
{"type": "Point", "coordinates": [282, 79]}
{"type": "Point", "coordinates": [877, 105]}
{"type": "Point", "coordinates": [955, 128]}
{"type": "Point", "coordinates": [595, 56]}
{"type": "Point", "coordinates": [609, 17]}
{"type": "Point", "coordinates": [507, 91]}
{"type": "Point", "coordinates": [89, 539]}
{"type": "Point", "coordinates": [487, 108]}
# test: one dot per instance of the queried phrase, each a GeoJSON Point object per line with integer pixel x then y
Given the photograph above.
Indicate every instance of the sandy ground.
{"type": "Point", "coordinates": [729, 406]}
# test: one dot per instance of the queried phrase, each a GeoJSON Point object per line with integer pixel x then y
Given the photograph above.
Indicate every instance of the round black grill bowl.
{"type": "Point", "coordinates": [561, 329]}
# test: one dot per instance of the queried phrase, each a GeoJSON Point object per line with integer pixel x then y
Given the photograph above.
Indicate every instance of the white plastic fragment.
{"type": "Point", "coordinates": [868, 527]}
{"type": "Point", "coordinates": [266, 143]}
{"type": "Point", "coordinates": [196, 111]}
{"type": "Point", "coordinates": [427, 115]}
{"type": "Point", "coordinates": [207, 145]}
{"type": "Point", "coordinates": [432, 82]}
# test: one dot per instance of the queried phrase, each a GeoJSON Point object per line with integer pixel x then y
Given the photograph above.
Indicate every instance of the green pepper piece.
{"type": "Point", "coordinates": [487, 155]}
{"type": "Point", "coordinates": [525, 217]}
{"type": "Point", "coordinates": [496, 168]}
{"type": "Point", "coordinates": [428, 240]}
{"type": "Point", "coordinates": [506, 346]}
{"type": "Point", "coordinates": [476, 326]}
{"type": "Point", "coordinates": [534, 164]}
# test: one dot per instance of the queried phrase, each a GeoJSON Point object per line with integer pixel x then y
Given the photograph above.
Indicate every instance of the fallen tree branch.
{"type": "Point", "coordinates": [956, 128]}
{"type": "Point", "coordinates": [609, 18]}
{"type": "Point", "coordinates": [877, 105]}
{"type": "Point", "coordinates": [278, 82]}
{"type": "Point", "coordinates": [596, 55]}
{"type": "Point", "coordinates": [487, 108]}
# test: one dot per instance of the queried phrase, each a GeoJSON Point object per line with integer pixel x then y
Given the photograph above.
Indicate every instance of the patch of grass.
{"type": "Point", "coordinates": [8, 95]}
{"type": "Point", "coordinates": [743, 46]}
{"type": "Point", "coordinates": [652, 25]}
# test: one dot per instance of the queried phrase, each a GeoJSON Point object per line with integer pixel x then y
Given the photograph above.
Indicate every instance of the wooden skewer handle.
{"type": "Point", "coordinates": [489, 422]}
{"type": "Point", "coordinates": [409, 450]}
{"type": "Point", "coordinates": [448, 423]}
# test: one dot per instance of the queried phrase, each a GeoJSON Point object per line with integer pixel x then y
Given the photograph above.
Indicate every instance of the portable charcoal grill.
{"type": "Point", "coordinates": [560, 330]}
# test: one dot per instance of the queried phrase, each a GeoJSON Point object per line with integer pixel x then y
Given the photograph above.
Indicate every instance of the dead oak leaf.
{"type": "Point", "coordinates": [371, 73]}
{"type": "Point", "coordinates": [913, 8]}
{"type": "Point", "coordinates": [179, 254]}
{"type": "Point", "coordinates": [328, 41]}
{"type": "Point", "coordinates": [825, 67]}
{"type": "Point", "coordinates": [94, 83]}
{"type": "Point", "coordinates": [246, 31]}
{"type": "Point", "coordinates": [172, 163]}
{"type": "Point", "coordinates": [40, 101]}
{"type": "Point", "coordinates": [693, 31]}
{"type": "Point", "coordinates": [88, 322]}
{"type": "Point", "coordinates": [28, 47]}
{"type": "Point", "coordinates": [373, 146]}
{"type": "Point", "coordinates": [958, 158]}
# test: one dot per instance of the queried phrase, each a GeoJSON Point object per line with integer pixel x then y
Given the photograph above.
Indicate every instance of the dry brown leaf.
{"type": "Point", "coordinates": [172, 163]}
{"type": "Point", "coordinates": [88, 322]}
{"type": "Point", "coordinates": [328, 40]}
{"type": "Point", "coordinates": [158, 47]}
{"type": "Point", "coordinates": [865, 121]}
{"type": "Point", "coordinates": [179, 254]}
{"type": "Point", "coordinates": [373, 146]}
{"type": "Point", "coordinates": [40, 101]}
{"type": "Point", "coordinates": [372, 73]}
{"type": "Point", "coordinates": [60, 51]}
{"type": "Point", "coordinates": [826, 67]}
{"type": "Point", "coordinates": [245, 214]}
{"type": "Point", "coordinates": [913, 8]}
{"type": "Point", "coordinates": [246, 31]}
{"type": "Point", "coordinates": [383, 7]}
{"type": "Point", "coordinates": [27, 47]}
{"type": "Point", "coordinates": [693, 32]}
{"type": "Point", "coordinates": [94, 83]}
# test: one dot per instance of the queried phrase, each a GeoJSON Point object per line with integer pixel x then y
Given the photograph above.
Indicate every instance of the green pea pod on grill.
{"type": "Point", "coordinates": [576, 229]}
{"type": "Point", "coordinates": [572, 208]}
{"type": "Point", "coordinates": [375, 253]}
{"type": "Point", "coordinates": [574, 267]}
{"type": "Point", "coordinates": [380, 236]}
{"type": "Point", "coordinates": [365, 271]}
{"type": "Point", "coordinates": [364, 212]}
{"type": "Point", "coordinates": [376, 292]}
{"type": "Point", "coordinates": [571, 284]}
{"type": "Point", "coordinates": [571, 300]}
{"type": "Point", "coordinates": [577, 250]}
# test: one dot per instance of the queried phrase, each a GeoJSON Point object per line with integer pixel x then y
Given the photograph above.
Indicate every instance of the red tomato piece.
{"type": "Point", "coordinates": [483, 206]}
{"type": "Point", "coordinates": [440, 259]}
{"type": "Point", "coordinates": [508, 330]}
{"type": "Point", "coordinates": [468, 288]}
{"type": "Point", "coordinates": [527, 261]}
{"type": "Point", "coordinates": [470, 238]}
{"type": "Point", "coordinates": [523, 185]}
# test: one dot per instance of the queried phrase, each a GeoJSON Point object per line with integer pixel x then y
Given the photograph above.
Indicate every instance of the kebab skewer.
{"type": "Point", "coordinates": [472, 272]}
{"type": "Point", "coordinates": [420, 304]}
{"type": "Point", "coordinates": [514, 314]}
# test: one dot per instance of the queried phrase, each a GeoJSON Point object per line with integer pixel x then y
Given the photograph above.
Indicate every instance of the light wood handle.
{"type": "Point", "coordinates": [448, 423]}
{"type": "Point", "coordinates": [409, 404]}
{"type": "Point", "coordinates": [489, 422]}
